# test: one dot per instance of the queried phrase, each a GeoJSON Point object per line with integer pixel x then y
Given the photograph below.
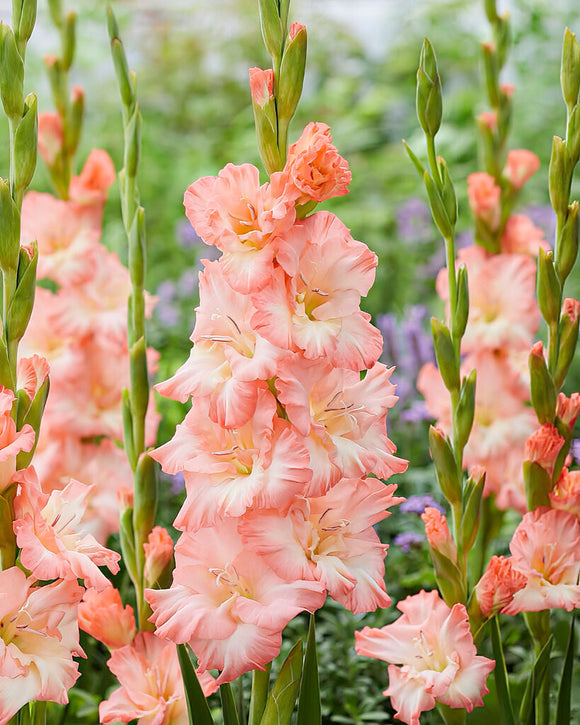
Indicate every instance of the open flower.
{"type": "Point", "coordinates": [47, 531]}
{"type": "Point", "coordinates": [151, 689]}
{"type": "Point", "coordinates": [102, 615]}
{"type": "Point", "coordinates": [434, 646]}
{"type": "Point", "coordinates": [12, 441]}
{"type": "Point", "coordinates": [38, 637]}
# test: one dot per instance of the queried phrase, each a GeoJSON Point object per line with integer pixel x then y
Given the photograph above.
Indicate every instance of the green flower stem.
{"type": "Point", "coordinates": [145, 479]}
{"type": "Point", "coordinates": [538, 624]}
{"type": "Point", "coordinates": [260, 687]}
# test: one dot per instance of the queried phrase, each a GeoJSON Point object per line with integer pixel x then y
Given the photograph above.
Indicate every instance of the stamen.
{"type": "Point", "coordinates": [234, 323]}
{"type": "Point", "coordinates": [225, 453]}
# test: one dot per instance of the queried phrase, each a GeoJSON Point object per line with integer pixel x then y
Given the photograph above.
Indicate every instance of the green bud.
{"type": "Point", "coordinates": [32, 414]}
{"type": "Point", "coordinates": [264, 107]}
{"type": "Point", "coordinates": [570, 69]}
{"type": "Point", "coordinates": [537, 484]}
{"type": "Point", "coordinates": [25, 144]}
{"type": "Point", "coordinates": [127, 537]}
{"type": "Point", "coordinates": [462, 306]}
{"type": "Point", "coordinates": [490, 10]}
{"type": "Point", "coordinates": [568, 243]}
{"type": "Point", "coordinates": [126, 86]}
{"type": "Point", "coordinates": [490, 64]}
{"type": "Point", "coordinates": [445, 465]}
{"type": "Point", "coordinates": [133, 142]}
{"type": "Point", "coordinates": [292, 70]}
{"type": "Point", "coordinates": [560, 176]}
{"type": "Point", "coordinates": [7, 537]}
{"type": "Point", "coordinates": [465, 409]}
{"type": "Point", "coordinates": [58, 85]}
{"type": "Point", "coordinates": [486, 237]}
{"type": "Point", "coordinates": [10, 225]}
{"type": "Point", "coordinates": [74, 126]}
{"type": "Point", "coordinates": [488, 148]}
{"type": "Point", "coordinates": [6, 371]}
{"type": "Point", "coordinates": [471, 510]}
{"type": "Point", "coordinates": [284, 8]}
{"type": "Point", "coordinates": [11, 74]}
{"type": "Point", "coordinates": [271, 25]}
{"type": "Point", "coordinates": [445, 354]}
{"type": "Point", "coordinates": [549, 289]}
{"type": "Point", "coordinates": [428, 96]}
{"type": "Point", "coordinates": [448, 578]}
{"type": "Point", "coordinates": [438, 210]}
{"type": "Point", "coordinates": [447, 192]}
{"type": "Point", "coordinates": [568, 337]}
{"type": "Point", "coordinates": [542, 386]}
{"type": "Point", "coordinates": [137, 248]}
{"type": "Point", "coordinates": [145, 501]}
{"type": "Point", "coordinates": [56, 13]}
{"type": "Point", "coordinates": [128, 442]}
{"type": "Point", "coordinates": [69, 40]}
{"type": "Point", "coordinates": [573, 135]}
{"type": "Point", "coordinates": [26, 20]}
{"type": "Point", "coordinates": [502, 38]}
{"type": "Point", "coordinates": [22, 302]}
{"type": "Point", "coordinates": [139, 379]}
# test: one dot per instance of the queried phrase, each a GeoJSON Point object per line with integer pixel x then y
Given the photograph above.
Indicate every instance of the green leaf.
{"type": "Point", "coordinates": [229, 710]}
{"type": "Point", "coordinates": [197, 707]}
{"type": "Point", "coordinates": [280, 704]}
{"type": "Point", "coordinates": [527, 715]}
{"type": "Point", "coordinates": [565, 692]}
{"type": "Point", "coordinates": [309, 711]}
{"type": "Point", "coordinates": [501, 676]}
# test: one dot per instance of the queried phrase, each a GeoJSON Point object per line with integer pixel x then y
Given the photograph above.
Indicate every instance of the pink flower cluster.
{"type": "Point", "coordinates": [287, 419]}
{"type": "Point", "coordinates": [81, 330]}
{"type": "Point", "coordinates": [503, 318]}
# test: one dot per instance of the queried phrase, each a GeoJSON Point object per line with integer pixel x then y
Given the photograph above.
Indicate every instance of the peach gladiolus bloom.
{"type": "Point", "coordinates": [12, 441]}
{"type": "Point", "coordinates": [434, 645]}
{"type": "Point", "coordinates": [38, 638]}
{"type": "Point", "coordinates": [101, 614]}
{"type": "Point", "coordinates": [315, 167]}
{"type": "Point", "coordinates": [227, 602]}
{"type": "Point", "coordinates": [568, 409]}
{"type": "Point", "coordinates": [158, 553]}
{"type": "Point", "coordinates": [521, 165]}
{"type": "Point", "coordinates": [151, 689]}
{"type": "Point", "coordinates": [543, 446]}
{"type": "Point", "coordinates": [53, 545]}
{"type": "Point", "coordinates": [262, 86]}
{"type": "Point", "coordinates": [330, 539]}
{"type": "Point", "coordinates": [91, 186]}
{"type": "Point", "coordinates": [243, 219]}
{"type": "Point", "coordinates": [566, 493]}
{"type": "Point", "coordinates": [521, 236]}
{"type": "Point", "coordinates": [50, 136]}
{"type": "Point", "coordinates": [546, 549]}
{"type": "Point", "coordinates": [484, 198]}
{"type": "Point", "coordinates": [496, 588]}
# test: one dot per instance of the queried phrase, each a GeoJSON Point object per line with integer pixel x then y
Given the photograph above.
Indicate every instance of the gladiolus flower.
{"type": "Point", "coordinates": [434, 645]}
{"type": "Point", "coordinates": [521, 236]}
{"type": "Point", "coordinates": [46, 531]}
{"type": "Point", "coordinates": [571, 308]}
{"type": "Point", "coordinates": [38, 637]}
{"type": "Point", "coordinates": [568, 409]}
{"type": "Point", "coordinates": [520, 166]}
{"type": "Point", "coordinates": [262, 85]}
{"type": "Point", "coordinates": [158, 553]}
{"type": "Point", "coordinates": [101, 614]}
{"type": "Point", "coordinates": [315, 167]}
{"type": "Point", "coordinates": [543, 446]}
{"type": "Point", "coordinates": [566, 493]}
{"type": "Point", "coordinates": [50, 136]}
{"type": "Point", "coordinates": [484, 198]}
{"type": "Point", "coordinates": [496, 588]}
{"type": "Point", "coordinates": [545, 548]}
{"type": "Point", "coordinates": [151, 689]}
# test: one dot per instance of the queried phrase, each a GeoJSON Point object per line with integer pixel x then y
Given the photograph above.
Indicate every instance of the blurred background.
{"type": "Point", "coordinates": [192, 59]}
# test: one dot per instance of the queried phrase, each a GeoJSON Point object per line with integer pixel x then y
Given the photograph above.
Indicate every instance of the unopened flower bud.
{"type": "Point", "coordinates": [521, 165]}
{"type": "Point", "coordinates": [542, 386]}
{"type": "Point", "coordinates": [25, 144]}
{"type": "Point", "coordinates": [11, 74]}
{"type": "Point", "coordinates": [26, 20]}
{"type": "Point", "coordinates": [429, 103]}
{"type": "Point", "coordinates": [543, 447]}
{"type": "Point", "coordinates": [445, 354]}
{"type": "Point", "coordinates": [438, 208]}
{"type": "Point", "coordinates": [568, 337]}
{"type": "Point", "coordinates": [438, 534]}
{"type": "Point", "coordinates": [465, 410]}
{"type": "Point", "coordinates": [158, 555]}
{"type": "Point", "coordinates": [549, 289]}
{"type": "Point", "coordinates": [570, 69]}
{"type": "Point", "coordinates": [485, 198]}
{"type": "Point", "coordinates": [10, 225]}
{"type": "Point", "coordinates": [568, 242]}
{"type": "Point", "coordinates": [102, 615]}
{"type": "Point", "coordinates": [272, 27]}
{"type": "Point", "coordinates": [22, 301]}
{"type": "Point", "coordinates": [445, 465]}
{"type": "Point", "coordinates": [490, 65]}
{"type": "Point", "coordinates": [568, 409]}
{"type": "Point", "coordinates": [292, 70]}
{"type": "Point", "coordinates": [69, 40]}
{"type": "Point", "coordinates": [560, 176]}
{"type": "Point", "coordinates": [471, 511]}
{"type": "Point", "coordinates": [462, 307]}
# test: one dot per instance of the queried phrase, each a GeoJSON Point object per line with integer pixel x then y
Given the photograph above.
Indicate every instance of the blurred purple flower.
{"type": "Point", "coordinates": [418, 504]}
{"type": "Point", "coordinates": [189, 281]}
{"type": "Point", "coordinates": [175, 481]}
{"type": "Point", "coordinates": [167, 314]}
{"type": "Point", "coordinates": [575, 449]}
{"type": "Point", "coordinates": [543, 217]}
{"type": "Point", "coordinates": [414, 221]}
{"type": "Point", "coordinates": [166, 291]}
{"type": "Point", "coordinates": [409, 539]}
{"type": "Point", "coordinates": [187, 236]}
{"type": "Point", "coordinates": [416, 413]}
